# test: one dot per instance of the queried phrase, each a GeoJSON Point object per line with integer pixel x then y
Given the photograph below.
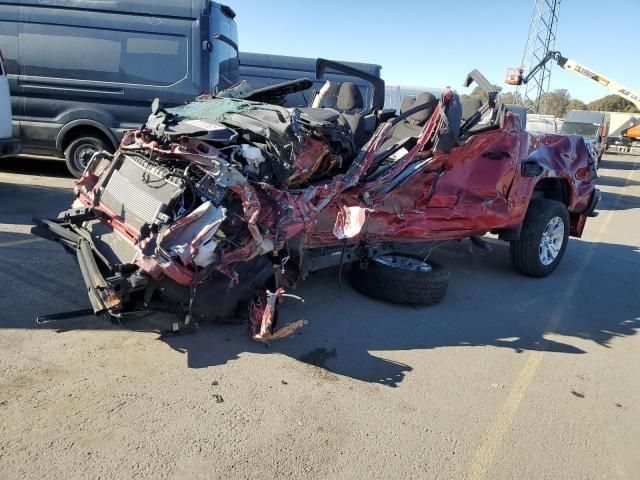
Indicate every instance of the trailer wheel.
{"type": "Point", "coordinates": [402, 279]}
{"type": "Point", "coordinates": [543, 239]}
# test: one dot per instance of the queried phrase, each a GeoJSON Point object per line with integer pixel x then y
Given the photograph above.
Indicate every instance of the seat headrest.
{"type": "Point", "coordinates": [327, 97]}
{"type": "Point", "coordinates": [470, 106]}
{"type": "Point", "coordinates": [349, 97]}
{"type": "Point", "coordinates": [407, 103]}
{"type": "Point", "coordinates": [422, 116]}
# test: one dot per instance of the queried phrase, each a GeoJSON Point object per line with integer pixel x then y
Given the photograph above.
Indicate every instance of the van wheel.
{"type": "Point", "coordinates": [543, 239]}
{"type": "Point", "coordinates": [80, 151]}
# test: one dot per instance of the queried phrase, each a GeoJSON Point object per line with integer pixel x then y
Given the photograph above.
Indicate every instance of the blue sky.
{"type": "Point", "coordinates": [436, 43]}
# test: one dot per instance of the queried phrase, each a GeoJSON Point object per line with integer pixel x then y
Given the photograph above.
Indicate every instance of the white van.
{"type": "Point", "coordinates": [8, 145]}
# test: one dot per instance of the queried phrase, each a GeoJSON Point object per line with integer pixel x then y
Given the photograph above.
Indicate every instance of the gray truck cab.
{"type": "Point", "coordinates": [592, 126]}
{"type": "Point", "coordinates": [81, 72]}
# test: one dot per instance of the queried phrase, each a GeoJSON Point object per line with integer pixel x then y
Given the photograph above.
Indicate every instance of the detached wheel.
{"type": "Point", "coordinates": [402, 279]}
{"type": "Point", "coordinates": [543, 238]}
{"type": "Point", "coordinates": [80, 151]}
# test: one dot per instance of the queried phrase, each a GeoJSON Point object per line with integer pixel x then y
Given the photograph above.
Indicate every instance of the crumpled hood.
{"type": "Point", "coordinates": [214, 116]}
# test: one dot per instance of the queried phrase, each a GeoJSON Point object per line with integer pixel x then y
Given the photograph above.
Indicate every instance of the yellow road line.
{"type": "Point", "coordinates": [17, 243]}
{"type": "Point", "coordinates": [492, 441]}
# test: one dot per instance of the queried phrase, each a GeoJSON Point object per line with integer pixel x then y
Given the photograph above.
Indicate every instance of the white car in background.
{"type": "Point", "coordinates": [8, 145]}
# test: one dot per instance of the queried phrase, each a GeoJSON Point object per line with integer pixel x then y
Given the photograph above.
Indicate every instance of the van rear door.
{"type": "Point", "coordinates": [224, 65]}
{"type": "Point", "coordinates": [5, 103]}
{"type": "Point", "coordinates": [9, 15]}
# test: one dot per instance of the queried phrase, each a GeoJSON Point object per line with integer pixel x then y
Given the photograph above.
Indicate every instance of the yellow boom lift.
{"type": "Point", "coordinates": [516, 76]}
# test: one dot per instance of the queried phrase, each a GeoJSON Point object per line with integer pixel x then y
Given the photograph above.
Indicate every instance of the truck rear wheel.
{"type": "Point", "coordinates": [80, 151]}
{"type": "Point", "coordinates": [402, 279]}
{"type": "Point", "coordinates": [543, 238]}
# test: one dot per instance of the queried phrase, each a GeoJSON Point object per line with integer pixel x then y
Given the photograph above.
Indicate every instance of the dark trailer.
{"type": "Point", "coordinates": [262, 70]}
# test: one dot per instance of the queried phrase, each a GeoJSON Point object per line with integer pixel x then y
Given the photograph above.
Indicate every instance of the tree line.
{"type": "Point", "coordinates": [559, 102]}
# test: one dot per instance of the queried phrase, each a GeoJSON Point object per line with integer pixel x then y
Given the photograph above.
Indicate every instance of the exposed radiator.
{"type": "Point", "coordinates": [138, 192]}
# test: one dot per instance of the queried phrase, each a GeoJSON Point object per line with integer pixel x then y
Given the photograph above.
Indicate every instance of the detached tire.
{"type": "Point", "coordinates": [402, 279]}
{"type": "Point", "coordinates": [80, 151]}
{"type": "Point", "coordinates": [543, 239]}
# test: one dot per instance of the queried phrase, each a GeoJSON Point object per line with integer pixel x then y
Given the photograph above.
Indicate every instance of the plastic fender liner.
{"type": "Point", "coordinates": [101, 294]}
{"type": "Point", "coordinates": [531, 168]}
{"type": "Point", "coordinates": [590, 211]}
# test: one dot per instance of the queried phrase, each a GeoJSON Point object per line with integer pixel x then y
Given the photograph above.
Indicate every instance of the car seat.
{"type": "Point", "coordinates": [414, 123]}
{"type": "Point", "coordinates": [470, 106]}
{"type": "Point", "coordinates": [343, 102]}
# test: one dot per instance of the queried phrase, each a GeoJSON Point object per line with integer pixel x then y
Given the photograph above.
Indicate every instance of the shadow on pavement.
{"type": "Point", "coordinates": [617, 201]}
{"type": "Point", "coordinates": [619, 164]}
{"type": "Point", "coordinates": [348, 334]}
{"type": "Point", "coordinates": [20, 203]}
{"type": "Point", "coordinates": [35, 166]}
{"type": "Point", "coordinates": [609, 181]}
{"type": "Point", "coordinates": [486, 306]}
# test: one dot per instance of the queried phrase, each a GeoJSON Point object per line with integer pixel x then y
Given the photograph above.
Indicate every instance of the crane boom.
{"type": "Point", "coordinates": [517, 77]}
{"type": "Point", "coordinates": [611, 85]}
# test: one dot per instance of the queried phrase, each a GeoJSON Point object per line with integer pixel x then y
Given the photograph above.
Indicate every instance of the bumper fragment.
{"type": "Point", "coordinates": [102, 295]}
{"type": "Point", "coordinates": [262, 313]}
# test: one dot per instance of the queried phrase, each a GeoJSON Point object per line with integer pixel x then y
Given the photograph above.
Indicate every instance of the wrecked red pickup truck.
{"type": "Point", "coordinates": [228, 202]}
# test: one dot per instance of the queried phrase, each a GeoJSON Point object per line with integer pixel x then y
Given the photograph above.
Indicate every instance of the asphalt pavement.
{"type": "Point", "coordinates": [509, 377]}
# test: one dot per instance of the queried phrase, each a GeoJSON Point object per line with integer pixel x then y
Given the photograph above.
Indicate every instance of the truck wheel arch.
{"type": "Point", "coordinates": [553, 189]}
{"type": "Point", "coordinates": [84, 127]}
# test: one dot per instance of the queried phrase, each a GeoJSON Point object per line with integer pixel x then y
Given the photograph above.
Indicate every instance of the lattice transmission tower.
{"type": "Point", "coordinates": [541, 39]}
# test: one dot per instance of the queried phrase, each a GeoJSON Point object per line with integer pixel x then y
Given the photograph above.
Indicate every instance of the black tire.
{"type": "Point", "coordinates": [527, 252]}
{"type": "Point", "coordinates": [396, 283]}
{"type": "Point", "coordinates": [80, 151]}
